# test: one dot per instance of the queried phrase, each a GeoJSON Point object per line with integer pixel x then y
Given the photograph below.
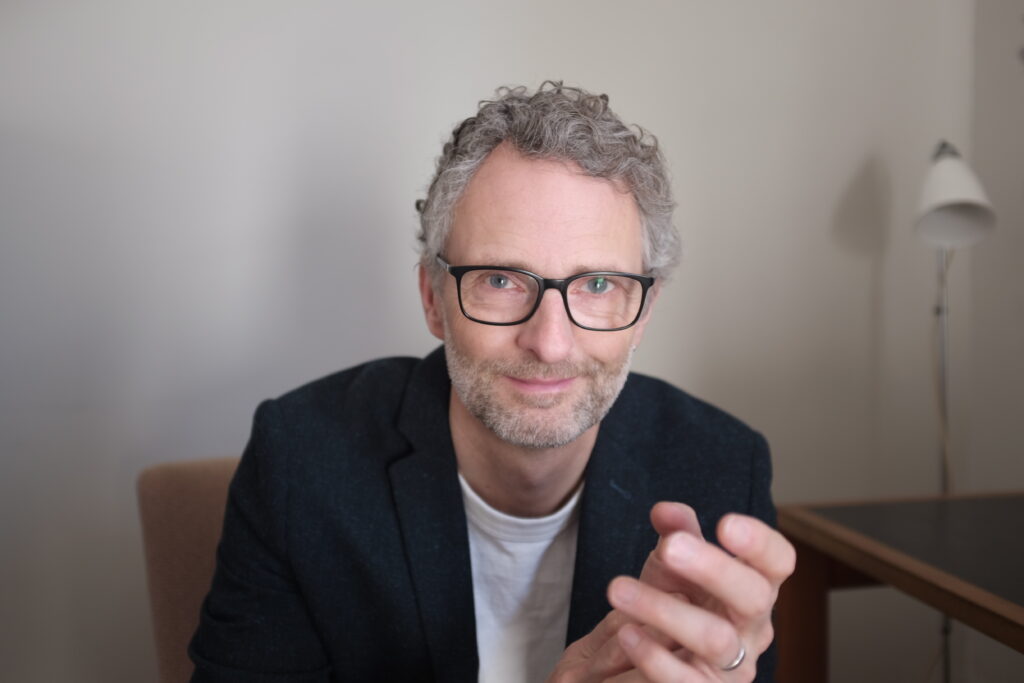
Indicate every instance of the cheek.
{"type": "Point", "coordinates": [455, 324]}
{"type": "Point", "coordinates": [607, 347]}
{"type": "Point", "coordinates": [480, 341]}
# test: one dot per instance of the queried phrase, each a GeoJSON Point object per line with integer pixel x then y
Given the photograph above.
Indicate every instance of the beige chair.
{"type": "Point", "coordinates": [181, 505]}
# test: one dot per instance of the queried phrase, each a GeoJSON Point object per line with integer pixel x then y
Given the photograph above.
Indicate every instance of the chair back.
{"type": "Point", "coordinates": [181, 505]}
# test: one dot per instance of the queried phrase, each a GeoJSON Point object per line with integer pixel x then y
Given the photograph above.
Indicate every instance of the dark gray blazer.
{"type": "Point", "coordinates": [344, 555]}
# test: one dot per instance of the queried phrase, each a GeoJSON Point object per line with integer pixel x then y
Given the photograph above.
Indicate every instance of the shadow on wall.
{"type": "Point", "coordinates": [860, 227]}
{"type": "Point", "coordinates": [860, 221]}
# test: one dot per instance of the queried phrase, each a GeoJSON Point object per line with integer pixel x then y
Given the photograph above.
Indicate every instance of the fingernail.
{"type": "Point", "coordinates": [629, 636]}
{"type": "Point", "coordinates": [624, 591]}
{"type": "Point", "coordinates": [681, 548]}
{"type": "Point", "coordinates": [739, 529]}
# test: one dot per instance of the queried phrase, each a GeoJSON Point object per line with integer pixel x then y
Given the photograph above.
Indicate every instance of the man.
{"type": "Point", "coordinates": [467, 515]}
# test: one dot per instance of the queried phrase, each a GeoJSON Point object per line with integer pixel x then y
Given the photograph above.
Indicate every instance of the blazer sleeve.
{"type": "Point", "coordinates": [761, 506]}
{"type": "Point", "coordinates": [254, 625]}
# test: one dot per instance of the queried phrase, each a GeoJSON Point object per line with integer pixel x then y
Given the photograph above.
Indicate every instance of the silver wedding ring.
{"type": "Point", "coordinates": [735, 664]}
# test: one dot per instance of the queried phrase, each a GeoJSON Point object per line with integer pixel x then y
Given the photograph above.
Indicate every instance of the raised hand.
{"type": "Point", "coordinates": [697, 613]}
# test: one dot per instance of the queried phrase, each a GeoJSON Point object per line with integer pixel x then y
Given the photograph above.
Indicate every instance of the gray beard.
{"type": "Point", "coordinates": [535, 422]}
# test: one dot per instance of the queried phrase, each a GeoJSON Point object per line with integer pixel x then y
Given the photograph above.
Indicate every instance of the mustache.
{"type": "Point", "coordinates": [531, 369]}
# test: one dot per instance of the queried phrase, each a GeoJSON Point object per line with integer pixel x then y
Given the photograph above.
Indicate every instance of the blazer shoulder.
{"type": "Point", "coordinates": [666, 410]}
{"type": "Point", "coordinates": [352, 411]}
{"type": "Point", "coordinates": [372, 389]}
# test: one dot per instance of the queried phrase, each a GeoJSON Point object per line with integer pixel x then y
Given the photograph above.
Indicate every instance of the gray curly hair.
{"type": "Point", "coordinates": [555, 122]}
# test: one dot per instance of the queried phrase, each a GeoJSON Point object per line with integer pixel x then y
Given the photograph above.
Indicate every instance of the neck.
{"type": "Point", "coordinates": [525, 482]}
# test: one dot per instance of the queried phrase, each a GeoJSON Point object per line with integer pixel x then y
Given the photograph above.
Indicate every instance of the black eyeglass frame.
{"type": "Point", "coordinates": [559, 284]}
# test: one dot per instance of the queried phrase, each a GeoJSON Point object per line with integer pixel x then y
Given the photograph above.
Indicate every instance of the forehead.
{"type": "Point", "coordinates": [544, 215]}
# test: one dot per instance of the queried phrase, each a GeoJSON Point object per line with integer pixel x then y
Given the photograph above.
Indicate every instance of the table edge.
{"type": "Point", "coordinates": [965, 601]}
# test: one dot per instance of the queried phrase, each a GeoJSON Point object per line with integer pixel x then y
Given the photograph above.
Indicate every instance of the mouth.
{"type": "Point", "coordinates": [541, 385]}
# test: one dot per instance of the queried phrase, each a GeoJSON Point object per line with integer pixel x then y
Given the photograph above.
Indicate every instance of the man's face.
{"type": "Point", "coordinates": [544, 382]}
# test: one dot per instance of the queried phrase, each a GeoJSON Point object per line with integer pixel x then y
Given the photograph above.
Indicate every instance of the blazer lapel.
{"type": "Point", "coordinates": [432, 519]}
{"type": "Point", "coordinates": [615, 533]}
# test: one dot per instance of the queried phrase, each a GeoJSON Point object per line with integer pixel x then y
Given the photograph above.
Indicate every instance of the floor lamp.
{"type": "Point", "coordinates": [954, 213]}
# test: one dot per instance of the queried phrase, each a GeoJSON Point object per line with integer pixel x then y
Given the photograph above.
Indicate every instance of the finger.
{"type": "Point", "coordinates": [597, 642]}
{"type": "Point", "coordinates": [602, 650]}
{"type": "Point", "coordinates": [611, 659]}
{"type": "Point", "coordinates": [740, 587]}
{"type": "Point", "coordinates": [653, 660]}
{"type": "Point", "coordinates": [667, 517]}
{"type": "Point", "coordinates": [707, 635]}
{"type": "Point", "coordinates": [759, 545]}
{"type": "Point", "coordinates": [657, 573]}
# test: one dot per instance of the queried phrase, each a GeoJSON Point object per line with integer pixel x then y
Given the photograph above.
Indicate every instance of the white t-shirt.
{"type": "Point", "coordinates": [522, 578]}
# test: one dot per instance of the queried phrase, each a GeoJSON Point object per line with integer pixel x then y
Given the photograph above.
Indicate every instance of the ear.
{"type": "Point", "coordinates": [645, 317]}
{"type": "Point", "coordinates": [431, 304]}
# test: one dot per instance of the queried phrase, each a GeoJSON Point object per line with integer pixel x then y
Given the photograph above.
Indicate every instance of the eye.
{"type": "Point", "coordinates": [498, 280]}
{"type": "Point", "coordinates": [598, 285]}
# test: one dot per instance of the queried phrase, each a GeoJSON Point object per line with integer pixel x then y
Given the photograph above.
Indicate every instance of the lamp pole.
{"type": "Point", "coordinates": [954, 212]}
{"type": "Point", "coordinates": [944, 256]}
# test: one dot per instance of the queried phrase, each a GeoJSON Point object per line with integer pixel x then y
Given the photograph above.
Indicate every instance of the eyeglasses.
{"type": "Point", "coordinates": [604, 301]}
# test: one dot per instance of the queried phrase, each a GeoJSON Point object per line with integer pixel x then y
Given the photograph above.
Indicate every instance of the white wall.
{"type": "Point", "coordinates": [193, 196]}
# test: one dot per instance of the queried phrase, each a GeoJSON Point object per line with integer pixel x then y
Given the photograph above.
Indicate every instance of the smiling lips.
{"type": "Point", "coordinates": [541, 384]}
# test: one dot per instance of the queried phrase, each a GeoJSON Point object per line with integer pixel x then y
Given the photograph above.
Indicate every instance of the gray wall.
{"type": "Point", "coordinates": [193, 197]}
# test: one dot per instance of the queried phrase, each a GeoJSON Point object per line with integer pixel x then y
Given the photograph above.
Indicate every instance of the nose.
{"type": "Point", "coordinates": [549, 334]}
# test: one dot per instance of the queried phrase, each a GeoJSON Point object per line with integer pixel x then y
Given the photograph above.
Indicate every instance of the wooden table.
{"type": "Point", "coordinates": [962, 555]}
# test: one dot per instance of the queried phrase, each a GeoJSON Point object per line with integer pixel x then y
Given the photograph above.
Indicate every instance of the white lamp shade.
{"type": "Point", "coordinates": [954, 211]}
